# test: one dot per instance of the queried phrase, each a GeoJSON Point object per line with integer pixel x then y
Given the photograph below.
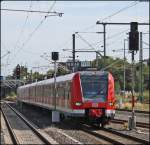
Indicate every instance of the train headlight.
{"type": "Point", "coordinates": [110, 104]}
{"type": "Point", "coordinates": [78, 103]}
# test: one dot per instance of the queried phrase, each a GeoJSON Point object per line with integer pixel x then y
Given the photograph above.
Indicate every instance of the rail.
{"type": "Point", "coordinates": [136, 111]}
{"type": "Point", "coordinates": [38, 133]}
{"type": "Point", "coordinates": [91, 130]}
{"type": "Point", "coordinates": [11, 132]}
{"type": "Point", "coordinates": [139, 124]}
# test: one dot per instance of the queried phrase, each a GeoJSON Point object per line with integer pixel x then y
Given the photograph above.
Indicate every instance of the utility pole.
{"type": "Point", "coordinates": [133, 46]}
{"type": "Point", "coordinates": [104, 27]}
{"type": "Point", "coordinates": [124, 73]}
{"type": "Point", "coordinates": [133, 71]}
{"type": "Point", "coordinates": [113, 23]}
{"type": "Point", "coordinates": [141, 68]}
{"type": "Point", "coordinates": [73, 52]}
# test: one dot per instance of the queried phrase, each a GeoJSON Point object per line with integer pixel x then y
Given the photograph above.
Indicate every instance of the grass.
{"type": "Point", "coordinates": [138, 106]}
{"type": "Point", "coordinates": [11, 97]}
{"type": "Point", "coordinates": [127, 102]}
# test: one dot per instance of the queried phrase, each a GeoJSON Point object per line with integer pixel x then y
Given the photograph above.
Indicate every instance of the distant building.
{"type": "Point", "coordinates": [79, 65]}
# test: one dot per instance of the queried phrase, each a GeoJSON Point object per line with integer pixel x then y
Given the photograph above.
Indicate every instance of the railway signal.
{"type": "Point", "coordinates": [133, 46]}
{"type": "Point", "coordinates": [18, 71]}
{"type": "Point", "coordinates": [55, 56]}
{"type": "Point", "coordinates": [134, 37]}
{"type": "Point", "coordinates": [55, 114]}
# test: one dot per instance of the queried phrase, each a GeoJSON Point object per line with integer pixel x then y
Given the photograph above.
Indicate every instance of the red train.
{"type": "Point", "coordinates": [86, 93]}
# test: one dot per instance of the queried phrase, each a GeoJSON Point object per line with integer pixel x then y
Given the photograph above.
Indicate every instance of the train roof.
{"type": "Point", "coordinates": [64, 78]}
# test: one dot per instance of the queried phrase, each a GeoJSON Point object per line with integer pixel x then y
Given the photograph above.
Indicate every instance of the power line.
{"type": "Point", "coordinates": [109, 37]}
{"type": "Point", "coordinates": [89, 27]}
{"type": "Point", "coordinates": [37, 27]}
{"type": "Point", "coordinates": [23, 27]}
{"type": "Point", "coordinates": [85, 41]}
{"type": "Point", "coordinates": [32, 11]}
{"type": "Point", "coordinates": [123, 9]}
{"type": "Point", "coordinates": [145, 43]}
{"type": "Point", "coordinates": [116, 34]}
{"type": "Point", "coordinates": [65, 43]}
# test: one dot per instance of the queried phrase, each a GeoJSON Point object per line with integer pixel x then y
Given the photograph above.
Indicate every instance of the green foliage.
{"type": "Point", "coordinates": [117, 87]}
{"type": "Point", "coordinates": [12, 94]}
{"type": "Point", "coordinates": [117, 70]}
{"type": "Point", "coordinates": [114, 66]}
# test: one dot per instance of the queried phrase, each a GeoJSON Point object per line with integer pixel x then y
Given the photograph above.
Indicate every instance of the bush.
{"type": "Point", "coordinates": [11, 97]}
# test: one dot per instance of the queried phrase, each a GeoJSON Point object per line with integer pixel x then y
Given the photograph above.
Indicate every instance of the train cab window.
{"type": "Point", "coordinates": [94, 87]}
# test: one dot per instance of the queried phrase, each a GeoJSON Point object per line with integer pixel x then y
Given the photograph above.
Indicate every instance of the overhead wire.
{"type": "Point", "coordinates": [31, 11]}
{"type": "Point", "coordinates": [37, 27]}
{"type": "Point", "coordinates": [23, 27]}
{"type": "Point", "coordinates": [31, 34]}
{"type": "Point", "coordinates": [108, 38]}
{"type": "Point", "coordinates": [122, 9]}
{"type": "Point", "coordinates": [85, 41]}
{"type": "Point", "coordinates": [115, 13]}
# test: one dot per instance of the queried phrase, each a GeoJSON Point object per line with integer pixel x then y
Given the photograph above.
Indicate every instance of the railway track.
{"type": "Point", "coordinates": [112, 136]}
{"type": "Point", "coordinates": [139, 124]}
{"type": "Point", "coordinates": [136, 111]}
{"type": "Point", "coordinates": [21, 130]}
{"type": "Point", "coordinates": [107, 136]}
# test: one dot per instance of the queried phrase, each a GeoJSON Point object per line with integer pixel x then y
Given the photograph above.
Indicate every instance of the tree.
{"type": "Point", "coordinates": [23, 72]}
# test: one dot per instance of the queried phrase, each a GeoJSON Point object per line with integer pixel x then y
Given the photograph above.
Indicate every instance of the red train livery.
{"type": "Point", "coordinates": [86, 93]}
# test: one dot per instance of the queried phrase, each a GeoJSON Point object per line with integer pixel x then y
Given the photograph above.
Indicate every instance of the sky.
{"type": "Point", "coordinates": [33, 49]}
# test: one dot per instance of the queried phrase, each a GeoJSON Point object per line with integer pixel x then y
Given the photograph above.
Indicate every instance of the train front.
{"type": "Point", "coordinates": [98, 95]}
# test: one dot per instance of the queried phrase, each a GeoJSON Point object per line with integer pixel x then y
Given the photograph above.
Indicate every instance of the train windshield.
{"type": "Point", "coordinates": [94, 87]}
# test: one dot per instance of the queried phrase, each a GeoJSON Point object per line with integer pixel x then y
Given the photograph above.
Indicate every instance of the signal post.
{"type": "Point", "coordinates": [55, 113]}
{"type": "Point", "coordinates": [17, 75]}
{"type": "Point", "coordinates": [133, 47]}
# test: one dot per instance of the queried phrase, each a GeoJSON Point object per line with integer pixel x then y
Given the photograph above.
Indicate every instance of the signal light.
{"type": "Point", "coordinates": [134, 26]}
{"type": "Point", "coordinates": [134, 41]}
{"type": "Point", "coordinates": [18, 71]}
{"type": "Point", "coordinates": [134, 37]}
{"type": "Point", "coordinates": [55, 56]}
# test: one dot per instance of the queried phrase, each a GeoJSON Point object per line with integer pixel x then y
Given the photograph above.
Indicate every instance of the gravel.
{"type": "Point", "coordinates": [5, 136]}
{"type": "Point", "coordinates": [42, 118]}
{"type": "Point", "coordinates": [142, 133]}
{"type": "Point", "coordinates": [140, 117]}
{"type": "Point", "coordinates": [23, 133]}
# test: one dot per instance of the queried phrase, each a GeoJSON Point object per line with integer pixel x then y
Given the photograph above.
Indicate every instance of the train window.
{"type": "Point", "coordinates": [32, 89]}
{"type": "Point", "coordinates": [47, 91]}
{"type": "Point", "coordinates": [94, 87]}
{"type": "Point", "coordinates": [66, 90]}
{"type": "Point", "coordinates": [38, 91]}
{"type": "Point", "coordinates": [50, 90]}
{"type": "Point", "coordinates": [35, 91]}
{"type": "Point", "coordinates": [44, 90]}
{"type": "Point", "coordinates": [61, 90]}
